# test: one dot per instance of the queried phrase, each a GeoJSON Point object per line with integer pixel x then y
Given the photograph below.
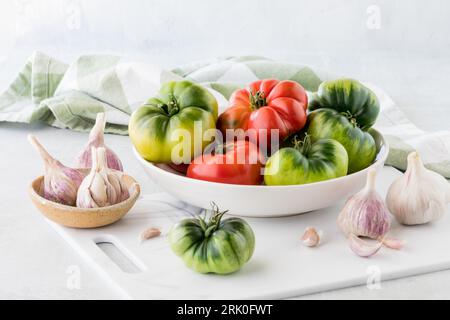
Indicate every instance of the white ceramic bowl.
{"type": "Point", "coordinates": [263, 201]}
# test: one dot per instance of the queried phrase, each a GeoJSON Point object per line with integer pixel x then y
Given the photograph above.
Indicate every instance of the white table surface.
{"type": "Point", "coordinates": [34, 260]}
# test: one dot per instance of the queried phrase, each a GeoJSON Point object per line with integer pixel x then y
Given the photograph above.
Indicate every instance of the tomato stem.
{"type": "Point", "coordinates": [257, 100]}
{"type": "Point", "coordinates": [350, 118]}
{"type": "Point", "coordinates": [171, 107]}
{"type": "Point", "coordinates": [214, 220]}
{"type": "Point", "coordinates": [202, 223]}
{"type": "Point", "coordinates": [303, 145]}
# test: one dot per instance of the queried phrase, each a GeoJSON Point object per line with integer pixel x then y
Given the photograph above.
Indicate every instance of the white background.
{"type": "Point", "coordinates": [179, 31]}
{"type": "Point", "coordinates": [401, 46]}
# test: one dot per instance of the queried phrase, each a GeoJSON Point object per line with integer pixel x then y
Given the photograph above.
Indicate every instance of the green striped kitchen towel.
{"type": "Point", "coordinates": [66, 96]}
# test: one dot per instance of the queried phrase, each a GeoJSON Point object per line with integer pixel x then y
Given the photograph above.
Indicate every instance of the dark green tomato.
{"type": "Point", "coordinates": [348, 97]}
{"type": "Point", "coordinates": [360, 145]}
{"type": "Point", "coordinates": [306, 163]}
{"type": "Point", "coordinates": [174, 122]}
{"type": "Point", "coordinates": [218, 246]}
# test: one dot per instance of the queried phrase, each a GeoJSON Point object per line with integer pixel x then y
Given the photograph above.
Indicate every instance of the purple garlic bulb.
{"type": "Point", "coordinates": [96, 140]}
{"type": "Point", "coordinates": [365, 214]}
{"type": "Point", "coordinates": [60, 182]}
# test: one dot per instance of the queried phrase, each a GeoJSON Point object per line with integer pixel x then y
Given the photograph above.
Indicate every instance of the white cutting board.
{"type": "Point", "coordinates": [281, 266]}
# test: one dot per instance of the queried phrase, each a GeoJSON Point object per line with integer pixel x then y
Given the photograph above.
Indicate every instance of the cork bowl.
{"type": "Point", "coordinates": [80, 217]}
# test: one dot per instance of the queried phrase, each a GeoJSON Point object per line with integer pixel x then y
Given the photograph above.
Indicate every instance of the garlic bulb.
{"type": "Point", "coordinates": [102, 186]}
{"type": "Point", "coordinates": [96, 139]}
{"type": "Point", "coordinates": [419, 196]}
{"type": "Point", "coordinates": [60, 182]}
{"type": "Point", "coordinates": [365, 214]}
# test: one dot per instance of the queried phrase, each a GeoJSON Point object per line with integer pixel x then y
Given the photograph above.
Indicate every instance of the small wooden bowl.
{"type": "Point", "coordinates": [80, 217]}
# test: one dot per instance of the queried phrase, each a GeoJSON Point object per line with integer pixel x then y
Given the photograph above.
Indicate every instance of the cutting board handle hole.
{"type": "Point", "coordinates": [118, 254]}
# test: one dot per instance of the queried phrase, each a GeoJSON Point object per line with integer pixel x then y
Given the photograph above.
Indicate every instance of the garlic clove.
{"type": "Point", "coordinates": [85, 197]}
{"type": "Point", "coordinates": [103, 186]}
{"type": "Point", "coordinates": [150, 233]}
{"type": "Point", "coordinates": [363, 248]}
{"type": "Point", "coordinates": [365, 213]}
{"type": "Point", "coordinates": [111, 191]}
{"type": "Point", "coordinates": [60, 182]}
{"type": "Point", "coordinates": [121, 193]}
{"type": "Point", "coordinates": [392, 243]}
{"type": "Point", "coordinates": [99, 191]}
{"type": "Point", "coordinates": [419, 196]}
{"type": "Point", "coordinates": [96, 139]}
{"type": "Point", "coordinates": [311, 237]}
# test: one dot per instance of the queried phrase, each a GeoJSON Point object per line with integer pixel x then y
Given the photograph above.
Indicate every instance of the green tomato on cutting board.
{"type": "Point", "coordinates": [345, 110]}
{"type": "Point", "coordinates": [168, 122]}
{"type": "Point", "coordinates": [214, 246]}
{"type": "Point", "coordinates": [306, 162]}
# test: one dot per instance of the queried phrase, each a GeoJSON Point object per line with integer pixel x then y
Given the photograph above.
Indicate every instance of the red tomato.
{"type": "Point", "coordinates": [236, 163]}
{"type": "Point", "coordinates": [181, 168]}
{"type": "Point", "coordinates": [267, 104]}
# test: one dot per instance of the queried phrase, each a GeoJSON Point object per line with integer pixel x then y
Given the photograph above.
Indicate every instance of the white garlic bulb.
{"type": "Point", "coordinates": [102, 186]}
{"type": "Point", "coordinates": [96, 139]}
{"type": "Point", "coordinates": [419, 196]}
{"type": "Point", "coordinates": [60, 182]}
{"type": "Point", "coordinates": [365, 214]}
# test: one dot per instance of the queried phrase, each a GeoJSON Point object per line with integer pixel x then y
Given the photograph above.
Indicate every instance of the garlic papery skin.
{"type": "Point", "coordinates": [365, 213]}
{"type": "Point", "coordinates": [60, 182]}
{"type": "Point", "coordinates": [96, 139]}
{"type": "Point", "coordinates": [102, 186]}
{"type": "Point", "coordinates": [419, 196]}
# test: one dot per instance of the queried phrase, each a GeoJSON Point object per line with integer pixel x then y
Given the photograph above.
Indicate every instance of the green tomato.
{"type": "Point", "coordinates": [360, 145]}
{"type": "Point", "coordinates": [306, 162]}
{"type": "Point", "coordinates": [348, 97]}
{"type": "Point", "coordinates": [173, 123]}
{"type": "Point", "coordinates": [217, 246]}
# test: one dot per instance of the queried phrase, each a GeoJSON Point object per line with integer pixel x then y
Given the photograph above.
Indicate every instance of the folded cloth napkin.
{"type": "Point", "coordinates": [70, 96]}
{"type": "Point", "coordinates": [66, 96]}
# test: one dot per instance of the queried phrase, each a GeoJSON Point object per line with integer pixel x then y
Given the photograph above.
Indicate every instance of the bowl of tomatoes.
{"type": "Point", "coordinates": [308, 151]}
{"type": "Point", "coordinates": [261, 200]}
